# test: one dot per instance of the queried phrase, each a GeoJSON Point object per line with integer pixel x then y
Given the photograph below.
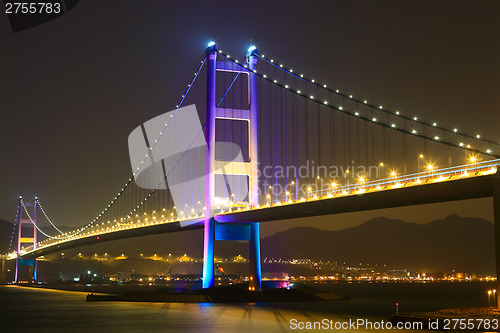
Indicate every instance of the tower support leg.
{"type": "Point", "coordinates": [35, 268]}
{"type": "Point", "coordinates": [208, 253]}
{"type": "Point", "coordinates": [255, 283]}
{"type": "Point", "coordinates": [16, 278]}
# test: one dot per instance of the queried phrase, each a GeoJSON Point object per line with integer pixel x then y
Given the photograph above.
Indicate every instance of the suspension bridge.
{"type": "Point", "coordinates": [303, 149]}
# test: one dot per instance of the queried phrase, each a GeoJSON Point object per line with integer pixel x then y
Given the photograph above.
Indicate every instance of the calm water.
{"type": "Point", "coordinates": [29, 309]}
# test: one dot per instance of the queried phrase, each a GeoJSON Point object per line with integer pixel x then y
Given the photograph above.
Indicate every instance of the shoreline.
{"type": "Point", "coordinates": [222, 294]}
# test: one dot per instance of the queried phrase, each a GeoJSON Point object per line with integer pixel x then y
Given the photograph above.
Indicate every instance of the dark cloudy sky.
{"type": "Point", "coordinates": [74, 88]}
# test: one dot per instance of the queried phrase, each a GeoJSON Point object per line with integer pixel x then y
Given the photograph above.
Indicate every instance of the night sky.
{"type": "Point", "coordinates": [74, 88]}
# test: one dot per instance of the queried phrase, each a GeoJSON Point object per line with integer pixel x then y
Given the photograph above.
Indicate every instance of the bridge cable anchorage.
{"type": "Point", "coordinates": [183, 97]}
{"type": "Point", "coordinates": [379, 108]}
{"type": "Point", "coordinates": [45, 214]}
{"type": "Point", "coordinates": [488, 152]}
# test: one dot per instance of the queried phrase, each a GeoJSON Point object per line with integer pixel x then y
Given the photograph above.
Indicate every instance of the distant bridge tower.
{"type": "Point", "coordinates": [214, 230]}
{"type": "Point", "coordinates": [26, 238]}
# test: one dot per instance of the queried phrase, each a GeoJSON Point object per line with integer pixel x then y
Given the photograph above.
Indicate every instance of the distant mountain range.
{"type": "Point", "coordinates": [453, 243]}
{"type": "Point", "coordinates": [463, 244]}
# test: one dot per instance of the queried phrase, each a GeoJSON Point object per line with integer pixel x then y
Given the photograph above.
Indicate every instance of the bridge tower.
{"type": "Point", "coordinates": [26, 238]}
{"type": "Point", "coordinates": [214, 230]}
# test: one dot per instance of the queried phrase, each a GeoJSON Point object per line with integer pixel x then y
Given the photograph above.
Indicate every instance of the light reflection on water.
{"type": "Point", "coordinates": [27, 309]}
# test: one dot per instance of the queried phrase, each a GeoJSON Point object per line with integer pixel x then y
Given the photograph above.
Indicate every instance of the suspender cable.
{"type": "Point", "coordinates": [319, 129]}
{"type": "Point", "coordinates": [332, 134]}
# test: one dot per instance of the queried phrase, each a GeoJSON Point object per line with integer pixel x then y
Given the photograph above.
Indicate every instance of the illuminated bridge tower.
{"type": "Point", "coordinates": [26, 237]}
{"type": "Point", "coordinates": [214, 230]}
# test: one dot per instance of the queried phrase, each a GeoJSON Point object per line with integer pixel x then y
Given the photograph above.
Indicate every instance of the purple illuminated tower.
{"type": "Point", "coordinates": [25, 237]}
{"type": "Point", "coordinates": [213, 230]}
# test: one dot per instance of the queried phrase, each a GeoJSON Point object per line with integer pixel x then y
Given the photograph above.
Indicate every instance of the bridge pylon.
{"type": "Point", "coordinates": [26, 238]}
{"type": "Point", "coordinates": [214, 230]}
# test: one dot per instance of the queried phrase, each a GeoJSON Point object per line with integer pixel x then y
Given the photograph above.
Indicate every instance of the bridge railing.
{"type": "Point", "coordinates": [433, 175]}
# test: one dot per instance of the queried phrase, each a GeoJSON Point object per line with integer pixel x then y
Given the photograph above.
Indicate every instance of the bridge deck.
{"type": "Point", "coordinates": [466, 188]}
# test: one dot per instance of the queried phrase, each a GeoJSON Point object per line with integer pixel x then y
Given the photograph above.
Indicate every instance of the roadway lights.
{"type": "Point", "coordinates": [430, 167]}
{"type": "Point", "coordinates": [418, 161]}
{"type": "Point", "coordinates": [380, 165]}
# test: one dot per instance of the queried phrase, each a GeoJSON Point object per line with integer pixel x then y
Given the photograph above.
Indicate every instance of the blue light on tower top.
{"type": "Point", "coordinates": [252, 50]}
{"type": "Point", "coordinates": [211, 47]}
